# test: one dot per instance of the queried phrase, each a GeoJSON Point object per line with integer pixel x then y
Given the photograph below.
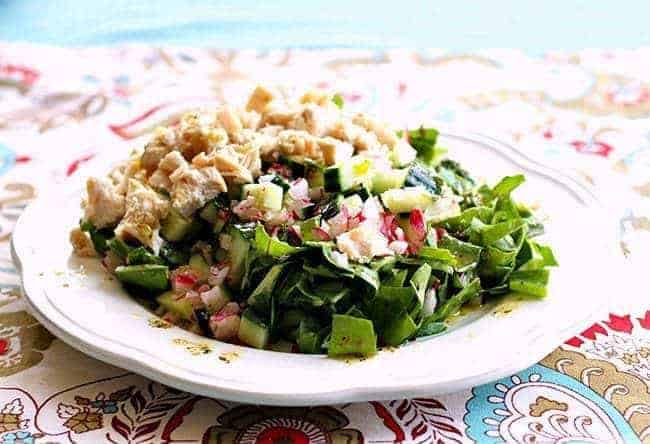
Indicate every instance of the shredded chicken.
{"type": "Point", "coordinates": [230, 163]}
{"type": "Point", "coordinates": [384, 134]}
{"type": "Point", "coordinates": [163, 142]}
{"type": "Point", "coordinates": [104, 206]}
{"type": "Point", "coordinates": [197, 133]}
{"type": "Point", "coordinates": [193, 187]}
{"type": "Point", "coordinates": [260, 99]}
{"type": "Point", "coordinates": [185, 166]}
{"type": "Point", "coordinates": [144, 210]}
{"type": "Point", "coordinates": [82, 244]}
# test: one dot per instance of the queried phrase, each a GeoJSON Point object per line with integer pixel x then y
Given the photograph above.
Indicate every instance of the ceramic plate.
{"type": "Point", "coordinates": [78, 302]}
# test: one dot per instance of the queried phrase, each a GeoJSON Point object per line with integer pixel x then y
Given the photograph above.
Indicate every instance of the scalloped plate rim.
{"type": "Point", "coordinates": [227, 390]}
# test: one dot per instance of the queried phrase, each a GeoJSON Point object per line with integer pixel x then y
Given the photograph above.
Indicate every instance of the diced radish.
{"type": "Point", "coordinates": [418, 230]}
{"type": "Point", "coordinates": [194, 298]}
{"type": "Point", "coordinates": [416, 219]}
{"type": "Point", "coordinates": [183, 279]}
{"type": "Point", "coordinates": [215, 298]}
{"type": "Point", "coordinates": [247, 210]}
{"type": "Point", "coordinates": [299, 190]}
{"type": "Point", "coordinates": [372, 211]}
{"type": "Point", "coordinates": [321, 234]}
{"type": "Point", "coordinates": [399, 247]}
{"type": "Point", "coordinates": [231, 308]}
{"type": "Point", "coordinates": [280, 169]}
{"type": "Point", "coordinates": [225, 328]}
{"type": "Point", "coordinates": [430, 302]}
{"type": "Point", "coordinates": [440, 232]}
{"type": "Point", "coordinates": [388, 226]}
{"type": "Point", "coordinates": [218, 273]}
{"type": "Point", "coordinates": [274, 218]}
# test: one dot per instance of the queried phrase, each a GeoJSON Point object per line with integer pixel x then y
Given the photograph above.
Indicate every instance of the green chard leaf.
{"type": "Point", "coordinates": [530, 282]}
{"type": "Point", "coordinates": [272, 246]}
{"type": "Point", "coordinates": [467, 255]}
{"type": "Point", "coordinates": [424, 141]}
{"type": "Point", "coordinates": [455, 302]}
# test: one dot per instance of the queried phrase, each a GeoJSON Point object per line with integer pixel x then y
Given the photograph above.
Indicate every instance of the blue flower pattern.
{"type": "Point", "coordinates": [21, 437]}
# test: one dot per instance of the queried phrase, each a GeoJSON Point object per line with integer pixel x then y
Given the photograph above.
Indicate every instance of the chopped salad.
{"type": "Point", "coordinates": [297, 227]}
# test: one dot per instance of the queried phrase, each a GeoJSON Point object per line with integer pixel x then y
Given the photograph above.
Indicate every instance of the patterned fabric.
{"type": "Point", "coordinates": [587, 112]}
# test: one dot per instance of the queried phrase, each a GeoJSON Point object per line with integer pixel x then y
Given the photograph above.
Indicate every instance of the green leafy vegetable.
{"type": "Point", "coordinates": [431, 242]}
{"type": "Point", "coordinates": [272, 246]}
{"type": "Point", "coordinates": [424, 141]}
{"type": "Point", "coordinates": [338, 100]}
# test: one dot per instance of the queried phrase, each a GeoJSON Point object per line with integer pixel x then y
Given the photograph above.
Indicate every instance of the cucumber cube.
{"type": "Point", "coordinates": [252, 330]}
{"type": "Point", "coordinates": [352, 336]}
{"type": "Point", "coordinates": [387, 180]}
{"type": "Point", "coordinates": [182, 307]}
{"type": "Point", "coordinates": [406, 199]}
{"type": "Point", "coordinates": [268, 196]}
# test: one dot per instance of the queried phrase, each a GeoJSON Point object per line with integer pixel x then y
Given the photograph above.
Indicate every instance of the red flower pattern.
{"type": "Point", "coordinates": [615, 322]}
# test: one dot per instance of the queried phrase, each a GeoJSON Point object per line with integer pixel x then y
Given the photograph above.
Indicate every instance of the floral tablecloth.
{"type": "Point", "coordinates": [587, 112]}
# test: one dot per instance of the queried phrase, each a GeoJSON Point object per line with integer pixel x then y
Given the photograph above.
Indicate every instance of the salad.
{"type": "Point", "coordinates": [297, 227]}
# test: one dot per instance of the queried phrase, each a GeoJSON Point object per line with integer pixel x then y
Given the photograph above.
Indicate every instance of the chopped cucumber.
{"type": "Point", "coordinates": [353, 202]}
{"type": "Point", "coordinates": [344, 176]}
{"type": "Point", "coordinates": [119, 247]}
{"type": "Point", "coordinates": [309, 337]}
{"type": "Point", "coordinates": [399, 330]}
{"type": "Point", "coordinates": [267, 195]}
{"type": "Point", "coordinates": [295, 163]}
{"type": "Point", "coordinates": [216, 208]}
{"type": "Point", "coordinates": [387, 180]}
{"type": "Point", "coordinates": [406, 199]}
{"type": "Point", "coordinates": [200, 266]}
{"type": "Point", "coordinates": [237, 254]}
{"type": "Point", "coordinates": [315, 177]}
{"type": "Point", "coordinates": [362, 190]}
{"type": "Point", "coordinates": [252, 331]}
{"type": "Point", "coordinates": [352, 336]}
{"type": "Point", "coordinates": [281, 182]}
{"type": "Point", "coordinates": [209, 213]}
{"type": "Point", "coordinates": [177, 227]}
{"type": "Point", "coordinates": [149, 277]}
{"type": "Point", "coordinates": [182, 307]}
{"type": "Point", "coordinates": [402, 155]}
{"type": "Point", "coordinates": [307, 211]}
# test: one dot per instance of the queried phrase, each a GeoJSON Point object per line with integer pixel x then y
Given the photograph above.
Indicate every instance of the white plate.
{"type": "Point", "coordinates": [94, 315]}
